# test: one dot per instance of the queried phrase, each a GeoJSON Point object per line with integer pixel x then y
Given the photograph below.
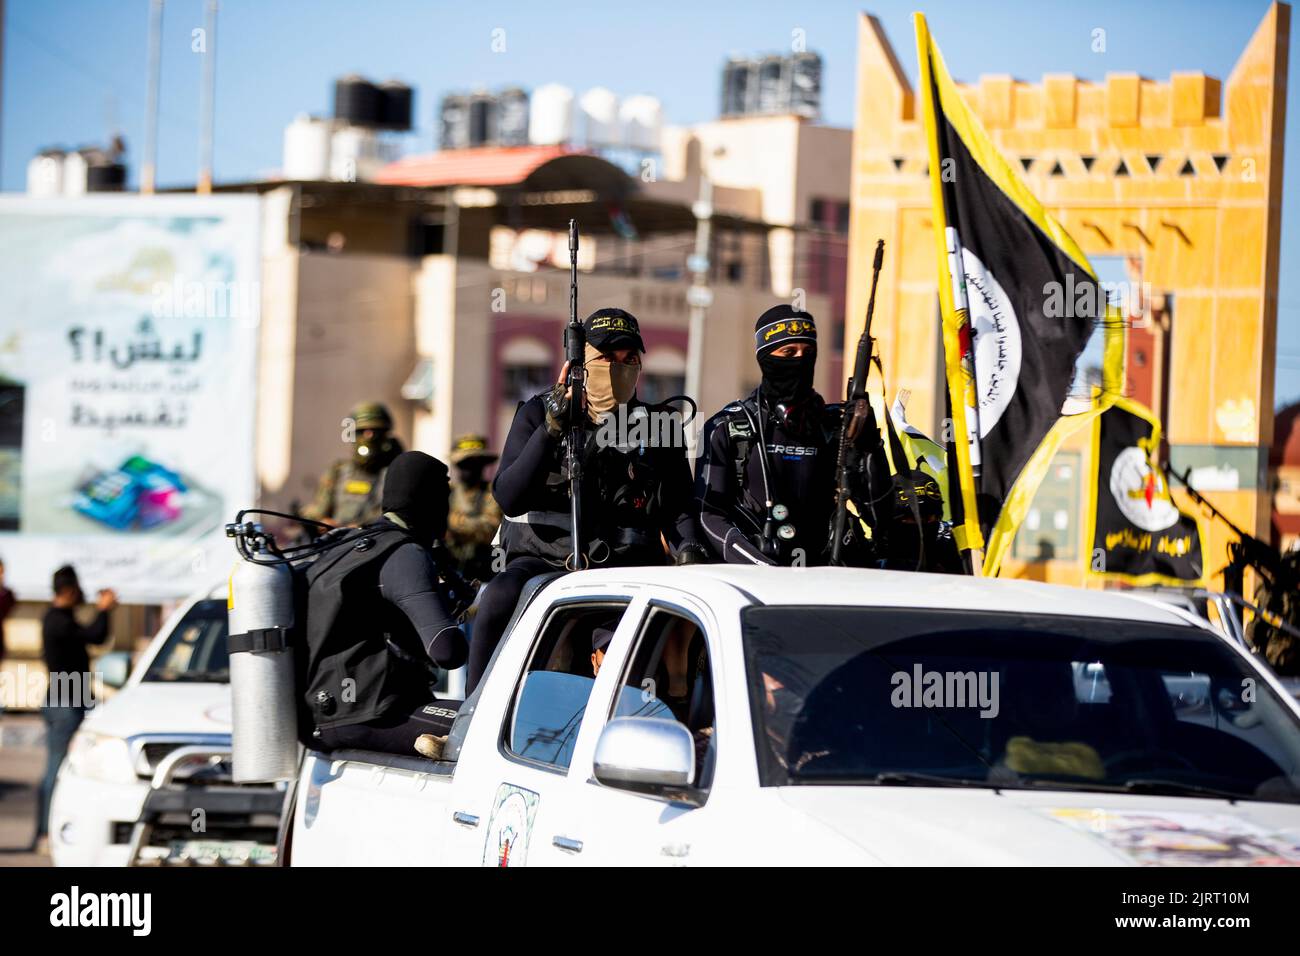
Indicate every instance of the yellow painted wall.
{"type": "Point", "coordinates": [1211, 239]}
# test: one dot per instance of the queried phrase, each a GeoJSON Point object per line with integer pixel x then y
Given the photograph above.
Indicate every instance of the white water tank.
{"type": "Point", "coordinates": [599, 108]}
{"type": "Point", "coordinates": [307, 149]}
{"type": "Point", "coordinates": [356, 154]}
{"type": "Point", "coordinates": [642, 118]}
{"type": "Point", "coordinates": [550, 115]}
{"type": "Point", "coordinates": [75, 169]}
{"type": "Point", "coordinates": [45, 174]}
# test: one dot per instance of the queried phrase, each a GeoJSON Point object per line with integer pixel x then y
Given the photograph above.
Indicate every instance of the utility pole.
{"type": "Point", "coordinates": [207, 100]}
{"type": "Point", "coordinates": [2, 87]}
{"type": "Point", "coordinates": [699, 296]}
{"type": "Point", "coordinates": [148, 172]}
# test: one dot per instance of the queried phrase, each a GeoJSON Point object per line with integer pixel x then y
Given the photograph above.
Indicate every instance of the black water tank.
{"type": "Point", "coordinates": [805, 76]}
{"type": "Point", "coordinates": [738, 86]}
{"type": "Point", "coordinates": [358, 101]}
{"type": "Point", "coordinates": [454, 122]}
{"type": "Point", "coordinates": [482, 119]}
{"type": "Point", "coordinates": [773, 89]}
{"type": "Point", "coordinates": [397, 98]}
{"type": "Point", "coordinates": [512, 117]}
{"type": "Point", "coordinates": [105, 177]}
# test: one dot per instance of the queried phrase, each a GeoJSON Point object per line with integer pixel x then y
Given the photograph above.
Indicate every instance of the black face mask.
{"type": "Point", "coordinates": [787, 379]}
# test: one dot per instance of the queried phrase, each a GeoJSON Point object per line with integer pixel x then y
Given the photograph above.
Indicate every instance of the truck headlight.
{"type": "Point", "coordinates": [100, 757]}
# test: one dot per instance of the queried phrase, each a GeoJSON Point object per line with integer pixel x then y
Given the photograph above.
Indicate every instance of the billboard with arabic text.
{"type": "Point", "coordinates": [128, 331]}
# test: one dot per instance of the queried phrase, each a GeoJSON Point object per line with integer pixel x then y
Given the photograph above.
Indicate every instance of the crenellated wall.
{"type": "Point", "coordinates": [1182, 177]}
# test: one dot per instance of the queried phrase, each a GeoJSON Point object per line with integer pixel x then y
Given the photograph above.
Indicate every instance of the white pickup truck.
{"type": "Point", "coordinates": [832, 716]}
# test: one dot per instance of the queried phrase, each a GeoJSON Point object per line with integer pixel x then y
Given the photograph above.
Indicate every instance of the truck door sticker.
{"type": "Point", "coordinates": [510, 827]}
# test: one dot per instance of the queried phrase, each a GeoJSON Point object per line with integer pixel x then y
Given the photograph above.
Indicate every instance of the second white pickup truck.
{"type": "Point", "coordinates": [832, 716]}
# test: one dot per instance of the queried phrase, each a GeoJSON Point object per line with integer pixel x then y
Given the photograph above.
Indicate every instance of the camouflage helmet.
{"type": "Point", "coordinates": [371, 415]}
{"type": "Point", "coordinates": [471, 446]}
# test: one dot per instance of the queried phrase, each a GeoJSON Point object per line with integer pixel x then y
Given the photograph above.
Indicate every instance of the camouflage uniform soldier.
{"type": "Point", "coordinates": [350, 490]}
{"type": "Point", "coordinates": [475, 515]}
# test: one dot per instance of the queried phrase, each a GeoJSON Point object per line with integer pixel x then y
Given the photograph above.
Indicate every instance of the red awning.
{"type": "Point", "coordinates": [480, 166]}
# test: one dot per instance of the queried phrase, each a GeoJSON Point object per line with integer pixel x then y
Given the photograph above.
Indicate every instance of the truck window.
{"type": "Point", "coordinates": [668, 675]}
{"type": "Point", "coordinates": [552, 694]}
{"type": "Point", "coordinates": [196, 650]}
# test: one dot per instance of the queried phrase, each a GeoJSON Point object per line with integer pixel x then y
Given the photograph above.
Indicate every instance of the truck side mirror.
{"type": "Point", "coordinates": [645, 752]}
{"type": "Point", "coordinates": [114, 668]}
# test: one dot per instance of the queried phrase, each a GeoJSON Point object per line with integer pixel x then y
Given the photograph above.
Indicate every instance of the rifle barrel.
{"type": "Point", "coordinates": [574, 349]}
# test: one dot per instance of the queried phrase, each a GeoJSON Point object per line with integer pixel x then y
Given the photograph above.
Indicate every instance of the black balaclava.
{"type": "Point", "coordinates": [416, 489]}
{"type": "Point", "coordinates": [785, 380]}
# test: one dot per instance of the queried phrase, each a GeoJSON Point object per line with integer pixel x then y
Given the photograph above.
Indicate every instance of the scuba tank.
{"type": "Point", "coordinates": [264, 738]}
{"type": "Point", "coordinates": [268, 638]}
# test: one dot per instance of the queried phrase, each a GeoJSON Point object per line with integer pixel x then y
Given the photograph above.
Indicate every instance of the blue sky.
{"type": "Point", "coordinates": [75, 68]}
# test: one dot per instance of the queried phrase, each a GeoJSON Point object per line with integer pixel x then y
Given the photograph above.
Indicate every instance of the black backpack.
{"type": "Point", "coordinates": [348, 672]}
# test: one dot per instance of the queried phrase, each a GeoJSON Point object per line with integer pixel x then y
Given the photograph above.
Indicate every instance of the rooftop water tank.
{"type": "Point", "coordinates": [396, 100]}
{"type": "Point", "coordinates": [739, 85]}
{"type": "Point", "coordinates": [45, 174]}
{"type": "Point", "coordinates": [599, 108]}
{"type": "Point", "coordinates": [482, 119]}
{"type": "Point", "coordinates": [550, 120]}
{"type": "Point", "coordinates": [307, 149]}
{"type": "Point", "coordinates": [642, 119]}
{"type": "Point", "coordinates": [805, 79]}
{"type": "Point", "coordinates": [74, 173]}
{"type": "Point", "coordinates": [773, 91]}
{"type": "Point", "coordinates": [512, 117]}
{"type": "Point", "coordinates": [356, 154]}
{"type": "Point", "coordinates": [453, 126]}
{"type": "Point", "coordinates": [358, 101]}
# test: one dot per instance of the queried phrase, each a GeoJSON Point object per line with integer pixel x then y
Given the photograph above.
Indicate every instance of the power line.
{"type": "Point", "coordinates": [79, 65]}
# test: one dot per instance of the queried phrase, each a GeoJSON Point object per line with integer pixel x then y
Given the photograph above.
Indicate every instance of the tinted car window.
{"type": "Point", "coordinates": [196, 650]}
{"type": "Point", "coordinates": [897, 696]}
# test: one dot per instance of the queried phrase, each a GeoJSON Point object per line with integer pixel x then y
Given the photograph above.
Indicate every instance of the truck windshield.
{"type": "Point", "coordinates": [196, 650]}
{"type": "Point", "coordinates": [920, 697]}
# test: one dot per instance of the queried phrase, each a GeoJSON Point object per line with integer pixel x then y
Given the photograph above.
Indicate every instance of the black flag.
{"type": "Point", "coordinates": [1019, 302]}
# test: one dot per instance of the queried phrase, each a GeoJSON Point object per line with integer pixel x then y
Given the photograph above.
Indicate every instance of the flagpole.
{"type": "Point", "coordinates": [955, 313]}
{"type": "Point", "coordinates": [957, 275]}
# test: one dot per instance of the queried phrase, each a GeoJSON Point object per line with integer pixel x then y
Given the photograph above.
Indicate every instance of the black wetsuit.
{"type": "Point", "coordinates": [397, 636]}
{"type": "Point", "coordinates": [632, 501]}
{"type": "Point", "coordinates": [734, 480]}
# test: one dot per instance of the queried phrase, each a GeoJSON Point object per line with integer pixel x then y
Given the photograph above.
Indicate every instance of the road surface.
{"type": "Point", "coordinates": [22, 762]}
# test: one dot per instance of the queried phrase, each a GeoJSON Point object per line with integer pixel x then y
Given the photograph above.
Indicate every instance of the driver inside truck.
{"type": "Point", "coordinates": [600, 638]}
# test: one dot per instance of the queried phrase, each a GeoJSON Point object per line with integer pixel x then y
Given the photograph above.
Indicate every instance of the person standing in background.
{"type": "Point", "coordinates": [7, 602]}
{"type": "Point", "coordinates": [350, 490]}
{"type": "Point", "coordinates": [63, 645]}
{"type": "Point", "coordinates": [474, 517]}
